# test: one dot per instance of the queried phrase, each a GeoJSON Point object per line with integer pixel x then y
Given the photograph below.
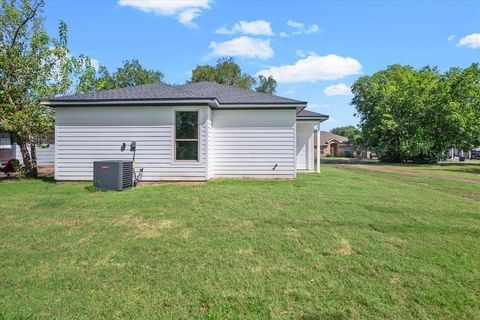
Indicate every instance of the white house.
{"type": "Point", "coordinates": [191, 132]}
{"type": "Point", "coordinates": [10, 150]}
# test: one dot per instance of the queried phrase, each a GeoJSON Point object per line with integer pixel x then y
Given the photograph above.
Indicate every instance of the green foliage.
{"type": "Point", "coordinates": [347, 154]}
{"type": "Point", "coordinates": [351, 132]}
{"type": "Point", "coordinates": [415, 115]}
{"type": "Point", "coordinates": [91, 188]}
{"type": "Point", "coordinates": [267, 85]}
{"type": "Point", "coordinates": [228, 72]}
{"type": "Point", "coordinates": [33, 67]}
{"type": "Point", "coordinates": [457, 101]}
{"type": "Point", "coordinates": [131, 73]}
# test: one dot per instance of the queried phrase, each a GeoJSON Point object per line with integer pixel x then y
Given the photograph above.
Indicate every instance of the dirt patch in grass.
{"type": "Point", "coordinates": [403, 171]}
{"type": "Point", "coordinates": [145, 228]}
{"type": "Point", "coordinates": [345, 248]}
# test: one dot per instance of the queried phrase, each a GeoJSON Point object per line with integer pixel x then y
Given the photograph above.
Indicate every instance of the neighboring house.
{"type": "Point", "coordinates": [334, 145]}
{"type": "Point", "coordinates": [454, 153]}
{"type": "Point", "coordinates": [6, 146]}
{"type": "Point", "coordinates": [10, 150]}
{"type": "Point", "coordinates": [195, 131]}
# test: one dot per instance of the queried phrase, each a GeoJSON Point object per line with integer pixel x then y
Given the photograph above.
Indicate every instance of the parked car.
{"type": "Point", "coordinates": [476, 154]}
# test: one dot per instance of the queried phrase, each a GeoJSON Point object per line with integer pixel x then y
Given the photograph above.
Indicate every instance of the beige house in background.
{"type": "Point", "coordinates": [334, 145]}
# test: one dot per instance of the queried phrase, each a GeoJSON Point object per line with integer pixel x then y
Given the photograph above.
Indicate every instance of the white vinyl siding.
{"type": "Point", "coordinates": [254, 143]}
{"type": "Point", "coordinates": [210, 149]}
{"type": "Point", "coordinates": [45, 156]}
{"type": "Point", "coordinates": [305, 148]}
{"type": "Point", "coordinates": [233, 143]}
{"type": "Point", "coordinates": [79, 143]}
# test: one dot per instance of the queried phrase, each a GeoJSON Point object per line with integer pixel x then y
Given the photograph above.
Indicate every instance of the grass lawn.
{"type": "Point", "coordinates": [349, 243]}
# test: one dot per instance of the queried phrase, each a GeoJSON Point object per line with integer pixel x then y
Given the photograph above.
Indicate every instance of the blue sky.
{"type": "Point", "coordinates": [315, 49]}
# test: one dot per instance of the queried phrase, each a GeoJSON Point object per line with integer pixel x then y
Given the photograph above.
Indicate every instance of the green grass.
{"type": "Point", "coordinates": [345, 244]}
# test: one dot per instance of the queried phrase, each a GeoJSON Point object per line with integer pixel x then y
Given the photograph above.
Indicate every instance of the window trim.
{"type": "Point", "coordinates": [175, 137]}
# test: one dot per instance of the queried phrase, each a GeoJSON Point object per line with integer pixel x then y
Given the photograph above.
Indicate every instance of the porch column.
{"type": "Point", "coordinates": [318, 147]}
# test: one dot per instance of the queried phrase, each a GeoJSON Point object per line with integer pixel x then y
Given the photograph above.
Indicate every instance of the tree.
{"type": "Point", "coordinates": [415, 115]}
{"type": "Point", "coordinates": [351, 132]}
{"type": "Point", "coordinates": [267, 85]}
{"type": "Point", "coordinates": [457, 104]}
{"type": "Point", "coordinates": [33, 66]}
{"type": "Point", "coordinates": [131, 73]}
{"type": "Point", "coordinates": [228, 72]}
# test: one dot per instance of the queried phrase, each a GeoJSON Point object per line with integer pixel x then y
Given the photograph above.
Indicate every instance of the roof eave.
{"type": "Point", "coordinates": [316, 119]}
{"type": "Point", "coordinates": [212, 102]}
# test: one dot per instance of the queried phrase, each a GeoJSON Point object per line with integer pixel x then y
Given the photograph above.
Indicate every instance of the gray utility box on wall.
{"type": "Point", "coordinates": [113, 174]}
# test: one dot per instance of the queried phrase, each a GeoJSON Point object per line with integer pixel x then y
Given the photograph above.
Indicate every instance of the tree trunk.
{"type": "Point", "coordinates": [33, 160]}
{"type": "Point", "coordinates": [29, 158]}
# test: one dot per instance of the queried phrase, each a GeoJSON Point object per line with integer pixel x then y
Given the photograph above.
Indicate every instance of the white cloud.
{"type": "Point", "coordinates": [243, 46]}
{"type": "Point", "coordinates": [95, 63]}
{"type": "Point", "coordinates": [258, 27]}
{"type": "Point", "coordinates": [471, 41]}
{"type": "Point", "coordinates": [300, 28]}
{"type": "Point", "coordinates": [295, 24]}
{"type": "Point", "coordinates": [313, 68]}
{"type": "Point", "coordinates": [185, 11]}
{"type": "Point", "coordinates": [451, 37]}
{"type": "Point", "coordinates": [340, 89]}
{"type": "Point", "coordinates": [186, 17]}
{"type": "Point", "coordinates": [303, 54]}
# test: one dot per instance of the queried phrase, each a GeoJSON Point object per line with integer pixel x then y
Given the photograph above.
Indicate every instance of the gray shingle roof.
{"type": "Point", "coordinates": [224, 94]}
{"type": "Point", "coordinates": [310, 114]}
{"type": "Point", "coordinates": [326, 136]}
{"type": "Point", "coordinates": [231, 95]}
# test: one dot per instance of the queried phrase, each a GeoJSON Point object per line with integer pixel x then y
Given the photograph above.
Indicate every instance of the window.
{"type": "Point", "coordinates": [5, 139]}
{"type": "Point", "coordinates": [186, 135]}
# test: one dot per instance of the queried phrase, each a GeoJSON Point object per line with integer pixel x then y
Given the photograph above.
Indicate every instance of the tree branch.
{"type": "Point", "coordinates": [25, 21]}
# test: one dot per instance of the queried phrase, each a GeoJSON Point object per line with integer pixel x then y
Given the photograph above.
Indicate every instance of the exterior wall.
{"type": "Point", "coordinates": [341, 148]}
{"type": "Point", "coordinates": [254, 143]}
{"type": "Point", "coordinates": [86, 134]}
{"type": "Point", "coordinates": [45, 156]}
{"type": "Point", "coordinates": [5, 154]}
{"type": "Point", "coordinates": [304, 145]}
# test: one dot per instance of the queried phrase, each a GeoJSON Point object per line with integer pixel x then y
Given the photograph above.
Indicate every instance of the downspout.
{"type": "Point", "coordinates": [318, 147]}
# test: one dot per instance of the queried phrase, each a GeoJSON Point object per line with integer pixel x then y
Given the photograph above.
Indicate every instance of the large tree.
{"type": "Point", "coordinates": [33, 66]}
{"type": "Point", "coordinates": [415, 115]}
{"type": "Point", "coordinates": [457, 104]}
{"type": "Point", "coordinates": [228, 72]}
{"type": "Point", "coordinates": [131, 73]}
{"type": "Point", "coordinates": [351, 132]}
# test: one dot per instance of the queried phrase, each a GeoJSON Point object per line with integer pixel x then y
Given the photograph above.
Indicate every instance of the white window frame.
{"type": "Point", "coordinates": [175, 160]}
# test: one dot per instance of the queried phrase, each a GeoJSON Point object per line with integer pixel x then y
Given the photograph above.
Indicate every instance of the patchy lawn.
{"type": "Point", "coordinates": [349, 243]}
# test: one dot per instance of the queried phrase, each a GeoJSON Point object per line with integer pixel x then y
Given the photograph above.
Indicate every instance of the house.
{"type": "Point", "coordinates": [10, 150]}
{"type": "Point", "coordinates": [455, 153]}
{"type": "Point", "coordinates": [191, 132]}
{"type": "Point", "coordinates": [6, 146]}
{"type": "Point", "coordinates": [335, 145]}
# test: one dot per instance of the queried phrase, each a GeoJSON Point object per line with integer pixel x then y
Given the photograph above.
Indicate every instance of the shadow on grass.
{"type": "Point", "coordinates": [18, 178]}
